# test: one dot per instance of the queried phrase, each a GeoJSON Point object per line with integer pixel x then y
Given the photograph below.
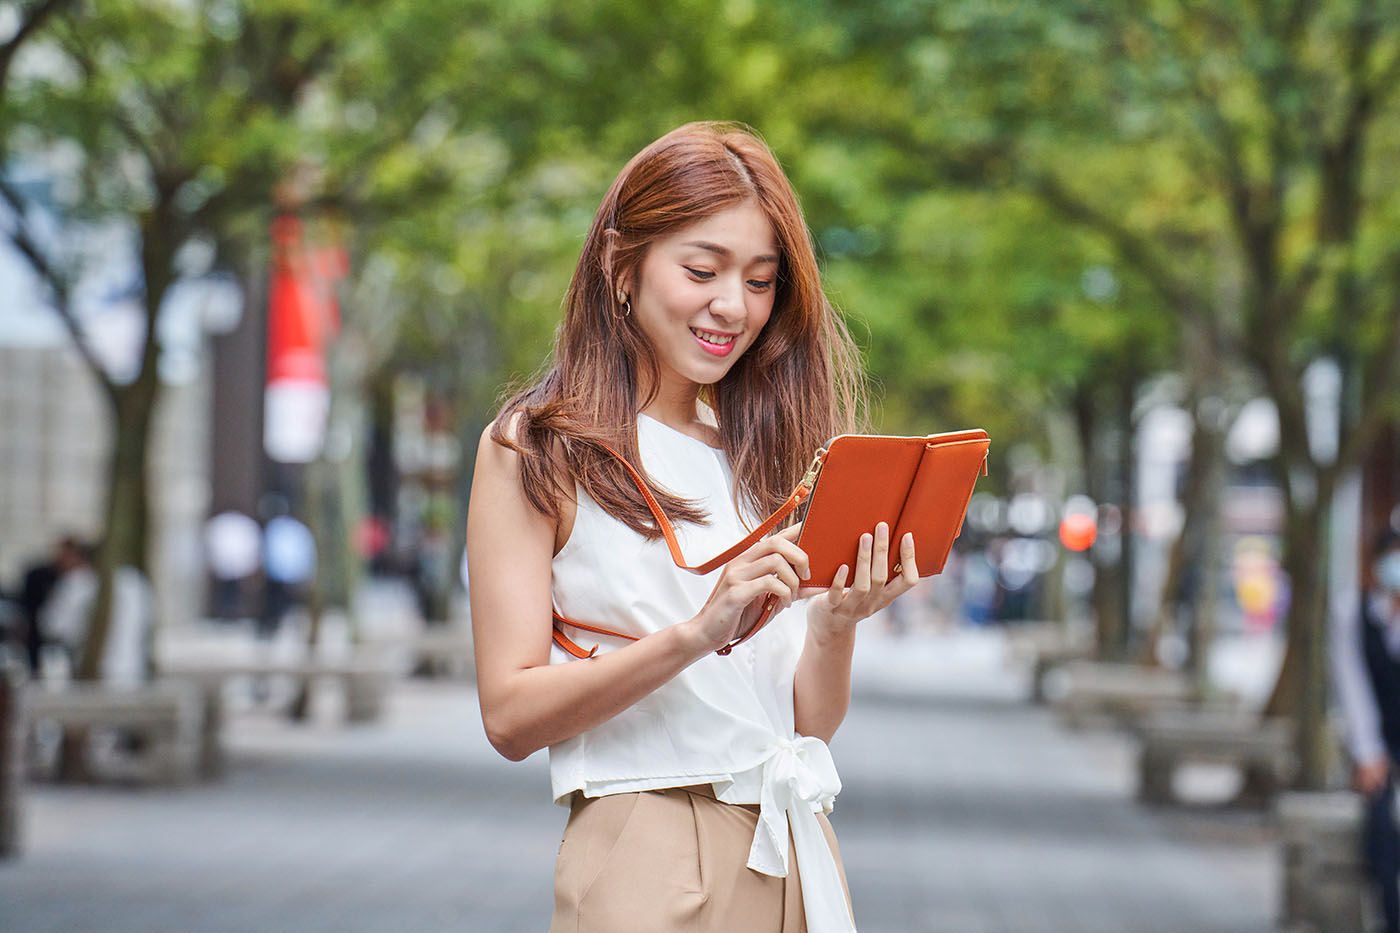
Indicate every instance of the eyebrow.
{"type": "Point", "coordinates": [728, 253]}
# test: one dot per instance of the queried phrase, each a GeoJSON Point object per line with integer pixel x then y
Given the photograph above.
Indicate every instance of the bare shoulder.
{"type": "Point", "coordinates": [498, 474]}
{"type": "Point", "coordinates": [495, 458]}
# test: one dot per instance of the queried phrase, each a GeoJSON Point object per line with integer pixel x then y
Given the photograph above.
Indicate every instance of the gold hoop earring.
{"type": "Point", "coordinates": [626, 309]}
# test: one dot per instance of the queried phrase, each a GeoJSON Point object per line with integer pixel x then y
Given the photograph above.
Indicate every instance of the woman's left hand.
{"type": "Point", "coordinates": [841, 607]}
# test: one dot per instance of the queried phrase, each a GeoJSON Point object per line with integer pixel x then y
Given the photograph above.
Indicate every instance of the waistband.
{"type": "Point", "coordinates": [708, 791]}
{"type": "Point", "coordinates": [695, 790]}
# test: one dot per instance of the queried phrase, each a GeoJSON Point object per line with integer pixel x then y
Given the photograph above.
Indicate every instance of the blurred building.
{"type": "Point", "coordinates": [55, 430]}
{"type": "Point", "coordinates": [55, 436]}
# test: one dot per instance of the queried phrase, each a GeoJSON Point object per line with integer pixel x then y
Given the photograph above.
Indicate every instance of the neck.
{"type": "Point", "coordinates": [674, 405]}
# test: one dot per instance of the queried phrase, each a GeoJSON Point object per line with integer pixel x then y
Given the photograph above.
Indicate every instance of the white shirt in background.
{"type": "Point", "coordinates": [67, 613]}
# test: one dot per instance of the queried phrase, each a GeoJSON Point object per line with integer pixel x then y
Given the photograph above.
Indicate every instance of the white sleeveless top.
{"type": "Point", "coordinates": [724, 721]}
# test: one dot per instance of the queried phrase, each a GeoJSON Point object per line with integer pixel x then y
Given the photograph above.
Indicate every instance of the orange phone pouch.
{"type": "Point", "coordinates": [914, 484]}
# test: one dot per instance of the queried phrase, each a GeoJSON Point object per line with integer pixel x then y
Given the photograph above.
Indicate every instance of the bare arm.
{"type": "Point", "coordinates": [528, 703]}
{"type": "Point", "coordinates": [821, 689]}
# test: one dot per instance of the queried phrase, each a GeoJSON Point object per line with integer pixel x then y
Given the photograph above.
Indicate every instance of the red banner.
{"type": "Point", "coordinates": [302, 317]}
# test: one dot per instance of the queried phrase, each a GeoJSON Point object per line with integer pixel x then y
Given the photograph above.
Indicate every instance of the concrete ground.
{"type": "Point", "coordinates": [964, 809]}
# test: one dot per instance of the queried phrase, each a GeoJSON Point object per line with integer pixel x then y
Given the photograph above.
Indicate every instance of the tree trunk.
{"type": "Point", "coordinates": [1127, 496]}
{"type": "Point", "coordinates": [1105, 593]}
{"type": "Point", "coordinates": [316, 586]}
{"type": "Point", "coordinates": [126, 527]}
{"type": "Point", "coordinates": [125, 521]}
{"type": "Point", "coordinates": [123, 544]}
{"type": "Point", "coordinates": [1201, 594]}
{"type": "Point", "coordinates": [1301, 688]}
{"type": "Point", "coordinates": [1189, 565]}
{"type": "Point", "coordinates": [1181, 551]}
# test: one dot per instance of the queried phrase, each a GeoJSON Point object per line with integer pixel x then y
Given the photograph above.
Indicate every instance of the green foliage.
{"type": "Point", "coordinates": [495, 133]}
{"type": "Point", "coordinates": [973, 173]}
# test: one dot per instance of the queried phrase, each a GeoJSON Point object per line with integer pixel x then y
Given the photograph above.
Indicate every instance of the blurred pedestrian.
{"type": "Point", "coordinates": [233, 550]}
{"type": "Point", "coordinates": [1365, 656]}
{"type": "Point", "coordinates": [37, 586]}
{"type": "Point", "coordinates": [697, 342]}
{"type": "Point", "coordinates": [289, 562]}
{"type": "Point", "coordinates": [66, 619]}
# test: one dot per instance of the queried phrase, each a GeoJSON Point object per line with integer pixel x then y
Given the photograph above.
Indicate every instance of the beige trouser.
{"type": "Point", "coordinates": [663, 860]}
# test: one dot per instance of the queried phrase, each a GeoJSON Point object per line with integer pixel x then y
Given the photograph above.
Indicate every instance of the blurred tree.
{"type": "Point", "coordinates": [174, 123]}
{"type": "Point", "coordinates": [1242, 157]}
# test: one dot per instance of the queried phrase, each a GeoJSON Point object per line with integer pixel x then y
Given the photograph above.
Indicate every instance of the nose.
{"type": "Point", "coordinates": [728, 303]}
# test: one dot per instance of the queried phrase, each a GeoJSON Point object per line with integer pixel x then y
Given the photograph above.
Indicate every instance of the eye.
{"type": "Point", "coordinates": [701, 274]}
{"type": "Point", "coordinates": [761, 285]}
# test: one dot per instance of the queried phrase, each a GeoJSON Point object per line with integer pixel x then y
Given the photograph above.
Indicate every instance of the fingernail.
{"type": "Point", "coordinates": [909, 537]}
{"type": "Point", "coordinates": [806, 574]}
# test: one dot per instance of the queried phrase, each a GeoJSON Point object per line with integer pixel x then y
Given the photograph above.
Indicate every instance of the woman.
{"type": "Point", "coordinates": [697, 345]}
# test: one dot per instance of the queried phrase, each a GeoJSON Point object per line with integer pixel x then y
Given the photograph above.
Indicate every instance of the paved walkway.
{"type": "Point", "coordinates": [964, 810]}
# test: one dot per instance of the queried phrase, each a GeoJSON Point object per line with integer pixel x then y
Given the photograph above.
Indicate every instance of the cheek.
{"type": "Point", "coordinates": [760, 310]}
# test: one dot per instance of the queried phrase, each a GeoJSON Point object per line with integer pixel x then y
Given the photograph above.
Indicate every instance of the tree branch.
{"type": "Point", "coordinates": [27, 27]}
{"type": "Point", "coordinates": [1253, 209]}
{"type": "Point", "coordinates": [83, 56]}
{"type": "Point", "coordinates": [1339, 160]}
{"type": "Point", "coordinates": [1133, 247]}
{"type": "Point", "coordinates": [1379, 388]}
{"type": "Point", "coordinates": [57, 285]}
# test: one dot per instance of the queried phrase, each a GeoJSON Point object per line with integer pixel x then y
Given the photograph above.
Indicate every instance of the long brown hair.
{"type": "Point", "coordinates": [796, 386]}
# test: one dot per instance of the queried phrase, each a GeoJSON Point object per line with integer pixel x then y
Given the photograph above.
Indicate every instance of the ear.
{"type": "Point", "coordinates": [618, 280]}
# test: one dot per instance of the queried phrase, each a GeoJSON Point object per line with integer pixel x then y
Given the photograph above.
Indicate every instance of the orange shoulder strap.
{"type": "Point", "coordinates": [804, 488]}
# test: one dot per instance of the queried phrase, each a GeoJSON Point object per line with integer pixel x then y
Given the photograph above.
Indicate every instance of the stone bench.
{"type": "Point", "coordinates": [1123, 694]}
{"type": "Point", "coordinates": [1261, 748]}
{"type": "Point", "coordinates": [1120, 693]}
{"type": "Point", "coordinates": [443, 651]}
{"type": "Point", "coordinates": [1044, 647]}
{"type": "Point", "coordinates": [163, 721]}
{"type": "Point", "coordinates": [1324, 886]}
{"type": "Point", "coordinates": [364, 685]}
{"type": "Point", "coordinates": [1051, 658]}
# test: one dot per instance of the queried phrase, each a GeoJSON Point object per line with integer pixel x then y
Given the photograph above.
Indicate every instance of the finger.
{"type": "Point", "coordinates": [893, 590]}
{"type": "Point", "coordinates": [880, 556]}
{"type": "Point", "coordinates": [779, 539]}
{"type": "Point", "coordinates": [773, 586]}
{"type": "Point", "coordinates": [771, 549]}
{"type": "Point", "coordinates": [776, 569]}
{"type": "Point", "coordinates": [784, 572]}
{"type": "Point", "coordinates": [796, 557]}
{"type": "Point", "coordinates": [837, 591]}
{"type": "Point", "coordinates": [775, 562]}
{"type": "Point", "coordinates": [908, 567]}
{"type": "Point", "coordinates": [861, 584]}
{"type": "Point", "coordinates": [789, 533]}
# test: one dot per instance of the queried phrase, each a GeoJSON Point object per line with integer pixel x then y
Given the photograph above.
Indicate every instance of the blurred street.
{"type": "Point", "coordinates": [268, 270]}
{"type": "Point", "coordinates": [996, 819]}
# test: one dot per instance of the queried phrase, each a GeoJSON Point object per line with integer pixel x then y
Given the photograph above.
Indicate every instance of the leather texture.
{"type": "Point", "coordinates": [914, 484]}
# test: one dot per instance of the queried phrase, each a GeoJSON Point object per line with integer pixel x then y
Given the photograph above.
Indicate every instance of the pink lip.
{"type": "Point", "coordinates": [714, 350]}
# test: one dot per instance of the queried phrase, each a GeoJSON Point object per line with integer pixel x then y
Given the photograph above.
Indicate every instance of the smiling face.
{"type": "Point", "coordinates": [703, 293]}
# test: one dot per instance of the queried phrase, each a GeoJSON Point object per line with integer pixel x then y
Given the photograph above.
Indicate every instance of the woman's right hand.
{"type": "Point", "coordinates": [775, 566]}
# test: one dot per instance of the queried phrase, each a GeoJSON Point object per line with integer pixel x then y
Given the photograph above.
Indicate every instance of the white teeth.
{"type": "Point", "coordinates": [718, 340]}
